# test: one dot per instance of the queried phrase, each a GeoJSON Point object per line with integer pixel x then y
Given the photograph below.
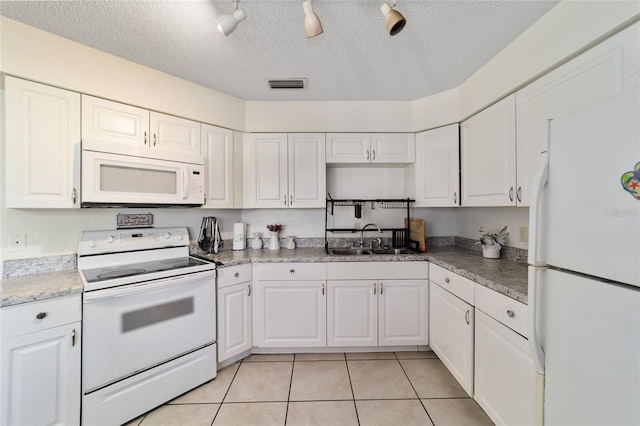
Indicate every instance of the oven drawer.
{"type": "Point", "coordinates": [35, 316]}
{"type": "Point", "coordinates": [132, 328]}
{"type": "Point", "coordinates": [233, 275]}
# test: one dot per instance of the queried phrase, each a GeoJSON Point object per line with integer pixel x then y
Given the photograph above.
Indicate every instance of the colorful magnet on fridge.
{"type": "Point", "coordinates": [631, 182]}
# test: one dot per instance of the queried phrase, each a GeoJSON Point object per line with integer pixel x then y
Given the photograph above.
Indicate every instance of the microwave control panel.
{"type": "Point", "coordinates": [196, 186]}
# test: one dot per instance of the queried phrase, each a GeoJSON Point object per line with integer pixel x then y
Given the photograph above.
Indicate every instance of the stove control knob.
{"type": "Point", "coordinates": [179, 237]}
{"type": "Point", "coordinates": [110, 239]}
{"type": "Point", "coordinates": [93, 243]}
{"type": "Point", "coordinates": [165, 235]}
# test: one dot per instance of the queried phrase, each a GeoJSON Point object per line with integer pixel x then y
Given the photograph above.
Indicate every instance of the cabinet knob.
{"type": "Point", "coordinates": [41, 315]}
{"type": "Point", "coordinates": [447, 280]}
{"type": "Point", "coordinates": [293, 271]}
{"type": "Point", "coordinates": [510, 313]}
{"type": "Point", "coordinates": [237, 274]}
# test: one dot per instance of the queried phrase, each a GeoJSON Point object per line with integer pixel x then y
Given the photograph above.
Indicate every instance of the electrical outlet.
{"type": "Point", "coordinates": [18, 242]}
{"type": "Point", "coordinates": [524, 234]}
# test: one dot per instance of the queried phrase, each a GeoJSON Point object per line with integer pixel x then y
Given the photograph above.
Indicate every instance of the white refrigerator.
{"type": "Point", "coordinates": [584, 266]}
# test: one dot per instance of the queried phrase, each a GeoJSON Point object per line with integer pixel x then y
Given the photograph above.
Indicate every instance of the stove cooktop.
{"type": "Point", "coordinates": [142, 268]}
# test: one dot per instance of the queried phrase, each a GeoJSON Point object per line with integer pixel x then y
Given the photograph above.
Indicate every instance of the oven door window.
{"type": "Point", "coordinates": [135, 327]}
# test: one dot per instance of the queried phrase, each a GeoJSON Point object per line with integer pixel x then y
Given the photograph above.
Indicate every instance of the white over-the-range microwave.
{"type": "Point", "coordinates": [127, 179]}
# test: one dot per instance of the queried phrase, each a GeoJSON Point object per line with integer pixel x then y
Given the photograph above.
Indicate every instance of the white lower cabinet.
{"type": "Point", "coordinates": [376, 311]}
{"type": "Point", "coordinates": [505, 380]}
{"type": "Point", "coordinates": [451, 334]}
{"type": "Point", "coordinates": [289, 305]}
{"type": "Point", "coordinates": [41, 363]}
{"type": "Point", "coordinates": [234, 311]}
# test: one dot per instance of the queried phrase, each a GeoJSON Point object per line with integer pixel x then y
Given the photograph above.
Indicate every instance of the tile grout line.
{"type": "Point", "coordinates": [414, 389]}
{"type": "Point", "coordinates": [227, 392]}
{"type": "Point", "coordinates": [353, 395]}
{"type": "Point", "coordinates": [286, 413]}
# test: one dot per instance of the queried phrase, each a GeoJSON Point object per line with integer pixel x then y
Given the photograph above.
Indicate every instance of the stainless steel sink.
{"type": "Point", "coordinates": [368, 252]}
{"type": "Point", "coordinates": [350, 252]}
{"type": "Point", "coordinates": [392, 251]}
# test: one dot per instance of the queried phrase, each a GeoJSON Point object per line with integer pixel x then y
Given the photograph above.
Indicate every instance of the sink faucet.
{"type": "Point", "coordinates": [361, 244]}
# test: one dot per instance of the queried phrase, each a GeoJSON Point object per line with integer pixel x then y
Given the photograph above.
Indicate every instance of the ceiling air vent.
{"type": "Point", "coordinates": [288, 84]}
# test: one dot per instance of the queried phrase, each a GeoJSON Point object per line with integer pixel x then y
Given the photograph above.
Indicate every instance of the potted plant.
{"type": "Point", "coordinates": [274, 240]}
{"type": "Point", "coordinates": [492, 243]}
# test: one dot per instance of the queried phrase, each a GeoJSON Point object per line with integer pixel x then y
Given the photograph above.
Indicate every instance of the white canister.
{"type": "Point", "coordinates": [239, 237]}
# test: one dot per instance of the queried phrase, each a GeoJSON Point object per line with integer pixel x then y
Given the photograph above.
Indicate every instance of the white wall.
{"type": "Point", "coordinates": [328, 116]}
{"type": "Point", "coordinates": [492, 219]}
{"type": "Point", "coordinates": [43, 57]}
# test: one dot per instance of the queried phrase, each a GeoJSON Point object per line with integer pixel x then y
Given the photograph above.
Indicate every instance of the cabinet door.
{"type": "Point", "coordinates": [348, 147]}
{"type": "Point", "coordinates": [109, 123]}
{"type": "Point", "coordinates": [265, 170]}
{"type": "Point", "coordinates": [307, 170]}
{"type": "Point", "coordinates": [217, 150]}
{"type": "Point", "coordinates": [603, 71]}
{"type": "Point", "coordinates": [352, 313]}
{"type": "Point", "coordinates": [41, 377]}
{"type": "Point", "coordinates": [234, 320]}
{"type": "Point", "coordinates": [403, 316]}
{"type": "Point", "coordinates": [393, 148]}
{"type": "Point", "coordinates": [42, 145]}
{"type": "Point", "coordinates": [175, 135]}
{"type": "Point", "coordinates": [290, 314]}
{"type": "Point", "coordinates": [451, 334]}
{"type": "Point", "coordinates": [505, 381]}
{"type": "Point", "coordinates": [488, 154]}
{"type": "Point", "coordinates": [437, 170]}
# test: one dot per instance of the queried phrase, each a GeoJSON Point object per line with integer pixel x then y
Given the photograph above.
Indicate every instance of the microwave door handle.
{"type": "Point", "coordinates": [185, 184]}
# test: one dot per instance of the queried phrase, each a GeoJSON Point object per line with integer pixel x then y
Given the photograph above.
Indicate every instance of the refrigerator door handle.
{"type": "Point", "coordinates": [539, 182]}
{"type": "Point", "coordinates": [534, 342]}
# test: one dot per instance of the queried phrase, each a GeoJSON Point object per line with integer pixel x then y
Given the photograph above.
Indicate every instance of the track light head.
{"type": "Point", "coordinates": [227, 22]}
{"type": "Point", "coordinates": [312, 24]}
{"type": "Point", "coordinates": [393, 19]}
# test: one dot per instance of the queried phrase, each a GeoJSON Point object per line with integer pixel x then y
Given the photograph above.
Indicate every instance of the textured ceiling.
{"type": "Point", "coordinates": [443, 43]}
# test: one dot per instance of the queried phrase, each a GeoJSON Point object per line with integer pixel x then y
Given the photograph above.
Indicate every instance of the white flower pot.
{"type": "Point", "coordinates": [274, 240]}
{"type": "Point", "coordinates": [491, 252]}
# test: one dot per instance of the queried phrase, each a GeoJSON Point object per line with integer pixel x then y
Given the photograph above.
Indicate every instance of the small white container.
{"type": "Point", "coordinates": [239, 237]}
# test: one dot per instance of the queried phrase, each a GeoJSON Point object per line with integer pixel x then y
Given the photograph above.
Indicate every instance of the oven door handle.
{"type": "Point", "coordinates": [128, 290]}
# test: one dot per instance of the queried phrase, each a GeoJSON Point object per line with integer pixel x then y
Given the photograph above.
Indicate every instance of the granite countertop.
{"type": "Point", "coordinates": [46, 285]}
{"type": "Point", "coordinates": [504, 276]}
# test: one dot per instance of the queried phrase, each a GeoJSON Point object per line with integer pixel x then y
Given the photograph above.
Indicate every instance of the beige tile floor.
{"type": "Point", "coordinates": [392, 388]}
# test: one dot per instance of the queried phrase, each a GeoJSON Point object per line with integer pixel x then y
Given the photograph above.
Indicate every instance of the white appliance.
{"type": "Point", "coordinates": [114, 179]}
{"type": "Point", "coordinates": [584, 273]}
{"type": "Point", "coordinates": [149, 321]}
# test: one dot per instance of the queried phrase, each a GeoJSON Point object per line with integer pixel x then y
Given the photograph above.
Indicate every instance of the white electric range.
{"type": "Point", "coordinates": [149, 321]}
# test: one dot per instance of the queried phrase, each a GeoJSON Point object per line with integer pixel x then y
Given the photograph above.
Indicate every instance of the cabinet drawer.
{"type": "Point", "coordinates": [23, 319]}
{"type": "Point", "coordinates": [509, 312]}
{"type": "Point", "coordinates": [233, 275]}
{"type": "Point", "coordinates": [290, 271]}
{"type": "Point", "coordinates": [454, 283]}
{"type": "Point", "coordinates": [416, 270]}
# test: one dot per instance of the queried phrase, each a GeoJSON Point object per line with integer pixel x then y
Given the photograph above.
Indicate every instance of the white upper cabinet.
{"type": "Point", "coordinates": [174, 134]}
{"type": "Point", "coordinates": [42, 146]}
{"type": "Point", "coordinates": [282, 171]}
{"type": "Point", "coordinates": [217, 150]}
{"type": "Point", "coordinates": [307, 170]}
{"type": "Point", "coordinates": [370, 148]}
{"type": "Point", "coordinates": [348, 148]}
{"type": "Point", "coordinates": [488, 156]}
{"type": "Point", "coordinates": [115, 127]}
{"type": "Point", "coordinates": [606, 69]}
{"type": "Point", "coordinates": [437, 168]}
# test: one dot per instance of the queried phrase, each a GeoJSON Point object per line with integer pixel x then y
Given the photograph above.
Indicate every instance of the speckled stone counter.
{"type": "Point", "coordinates": [504, 276]}
{"type": "Point", "coordinates": [46, 285]}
